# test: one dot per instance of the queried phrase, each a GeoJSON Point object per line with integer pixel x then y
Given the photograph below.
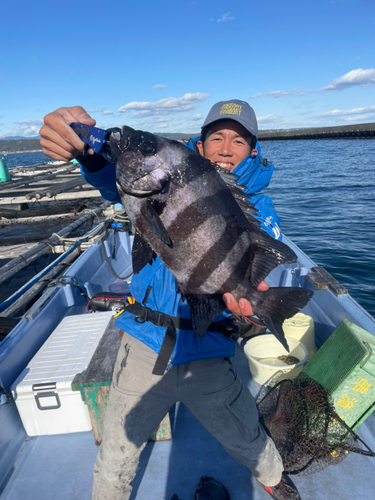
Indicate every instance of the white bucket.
{"type": "Point", "coordinates": [262, 353]}
{"type": "Point", "coordinates": [301, 327]}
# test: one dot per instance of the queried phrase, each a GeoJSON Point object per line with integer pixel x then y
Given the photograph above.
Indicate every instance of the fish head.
{"type": "Point", "coordinates": [140, 169]}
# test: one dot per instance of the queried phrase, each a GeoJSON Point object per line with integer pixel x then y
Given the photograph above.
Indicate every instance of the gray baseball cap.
{"type": "Point", "coordinates": [239, 111]}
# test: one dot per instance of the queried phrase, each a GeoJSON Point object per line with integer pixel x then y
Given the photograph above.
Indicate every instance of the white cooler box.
{"type": "Point", "coordinates": [43, 394]}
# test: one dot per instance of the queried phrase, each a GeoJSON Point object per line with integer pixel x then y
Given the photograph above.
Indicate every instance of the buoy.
{"type": "Point", "coordinates": [4, 173]}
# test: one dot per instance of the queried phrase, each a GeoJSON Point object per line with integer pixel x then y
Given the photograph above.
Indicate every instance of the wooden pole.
{"type": "Point", "coordinates": [40, 285]}
{"type": "Point", "coordinates": [15, 265]}
{"type": "Point", "coordinates": [42, 218]}
{"type": "Point", "coordinates": [93, 193]}
{"type": "Point", "coordinates": [66, 186]}
{"type": "Point", "coordinates": [32, 179]}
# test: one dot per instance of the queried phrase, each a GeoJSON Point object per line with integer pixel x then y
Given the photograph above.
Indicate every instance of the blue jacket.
{"type": "Point", "coordinates": [156, 287]}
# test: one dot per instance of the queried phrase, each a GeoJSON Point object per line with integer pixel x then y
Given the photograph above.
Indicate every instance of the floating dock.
{"type": "Point", "coordinates": [44, 211]}
{"type": "Point", "coordinates": [362, 131]}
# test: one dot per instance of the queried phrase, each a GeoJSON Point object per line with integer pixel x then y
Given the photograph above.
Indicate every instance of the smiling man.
{"type": "Point", "coordinates": [229, 134]}
{"type": "Point", "coordinates": [201, 374]}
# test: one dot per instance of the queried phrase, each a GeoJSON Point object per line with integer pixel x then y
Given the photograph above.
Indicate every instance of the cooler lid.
{"type": "Point", "coordinates": [66, 352]}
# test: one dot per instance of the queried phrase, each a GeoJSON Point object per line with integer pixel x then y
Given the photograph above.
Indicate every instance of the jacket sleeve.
{"type": "Point", "coordinates": [267, 215]}
{"type": "Point", "coordinates": [104, 180]}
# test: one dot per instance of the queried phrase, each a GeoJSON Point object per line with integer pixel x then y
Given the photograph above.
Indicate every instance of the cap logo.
{"type": "Point", "coordinates": [230, 109]}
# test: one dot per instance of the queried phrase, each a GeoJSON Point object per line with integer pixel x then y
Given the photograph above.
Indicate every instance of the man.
{"type": "Point", "coordinates": [200, 373]}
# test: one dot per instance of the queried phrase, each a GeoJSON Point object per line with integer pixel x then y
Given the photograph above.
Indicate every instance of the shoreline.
{"type": "Point", "coordinates": [6, 153]}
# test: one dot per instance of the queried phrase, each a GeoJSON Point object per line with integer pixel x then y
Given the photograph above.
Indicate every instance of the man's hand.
{"type": "Point", "coordinates": [58, 140]}
{"type": "Point", "coordinates": [243, 306]}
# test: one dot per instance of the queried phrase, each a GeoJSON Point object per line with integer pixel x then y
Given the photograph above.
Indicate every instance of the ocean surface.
{"type": "Point", "coordinates": [25, 159]}
{"type": "Point", "coordinates": [324, 193]}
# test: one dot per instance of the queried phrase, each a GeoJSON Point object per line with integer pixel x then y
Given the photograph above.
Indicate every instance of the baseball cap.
{"type": "Point", "coordinates": [239, 111]}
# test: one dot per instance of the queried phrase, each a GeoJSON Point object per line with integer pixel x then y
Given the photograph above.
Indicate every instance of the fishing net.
{"type": "Point", "coordinates": [299, 415]}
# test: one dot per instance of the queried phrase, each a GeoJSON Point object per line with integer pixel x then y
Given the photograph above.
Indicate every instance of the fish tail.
{"type": "Point", "coordinates": [280, 303]}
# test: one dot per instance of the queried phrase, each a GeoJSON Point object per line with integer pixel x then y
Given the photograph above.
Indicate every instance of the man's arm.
{"type": "Point", "coordinates": [60, 142]}
{"type": "Point", "coordinates": [269, 220]}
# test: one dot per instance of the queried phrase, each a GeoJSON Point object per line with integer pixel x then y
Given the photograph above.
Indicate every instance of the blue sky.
{"type": "Point", "coordinates": [160, 66]}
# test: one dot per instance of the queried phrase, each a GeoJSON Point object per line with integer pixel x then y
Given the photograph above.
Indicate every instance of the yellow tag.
{"type": "Point", "coordinates": [118, 314]}
{"type": "Point", "coordinates": [131, 300]}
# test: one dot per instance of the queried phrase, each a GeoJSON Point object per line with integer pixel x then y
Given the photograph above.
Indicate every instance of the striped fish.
{"type": "Point", "coordinates": [197, 219]}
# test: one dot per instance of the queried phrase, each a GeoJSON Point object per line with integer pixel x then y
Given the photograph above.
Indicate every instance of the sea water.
{"type": "Point", "coordinates": [324, 193]}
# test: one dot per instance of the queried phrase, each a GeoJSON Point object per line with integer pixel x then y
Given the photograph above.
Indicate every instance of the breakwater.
{"type": "Point", "coordinates": [361, 131]}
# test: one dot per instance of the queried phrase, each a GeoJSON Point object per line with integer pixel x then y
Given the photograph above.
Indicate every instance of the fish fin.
{"type": "Point", "coordinates": [266, 254]}
{"type": "Point", "coordinates": [142, 253]}
{"type": "Point", "coordinates": [203, 309]}
{"type": "Point", "coordinates": [154, 222]}
{"type": "Point", "coordinates": [278, 304]}
{"type": "Point", "coordinates": [226, 174]}
{"type": "Point", "coordinates": [238, 192]}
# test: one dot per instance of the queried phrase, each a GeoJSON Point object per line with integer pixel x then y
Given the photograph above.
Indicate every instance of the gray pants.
{"type": "Point", "coordinates": [138, 401]}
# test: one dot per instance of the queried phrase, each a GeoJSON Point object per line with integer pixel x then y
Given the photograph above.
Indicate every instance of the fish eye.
{"type": "Point", "coordinates": [149, 148]}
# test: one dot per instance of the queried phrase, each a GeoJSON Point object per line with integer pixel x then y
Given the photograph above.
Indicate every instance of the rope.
{"type": "Point", "coordinates": [61, 282]}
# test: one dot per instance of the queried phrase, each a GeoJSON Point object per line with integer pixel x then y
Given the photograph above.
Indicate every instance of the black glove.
{"type": "Point", "coordinates": [92, 163]}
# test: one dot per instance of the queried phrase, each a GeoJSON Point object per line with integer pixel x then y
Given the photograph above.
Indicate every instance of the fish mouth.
{"type": "Point", "coordinates": [158, 187]}
{"type": "Point", "coordinates": [135, 192]}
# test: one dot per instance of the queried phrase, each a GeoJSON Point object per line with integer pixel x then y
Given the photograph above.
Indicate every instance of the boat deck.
{"type": "Point", "coordinates": [60, 467]}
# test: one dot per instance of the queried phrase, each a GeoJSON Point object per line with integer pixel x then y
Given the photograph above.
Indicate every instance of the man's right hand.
{"type": "Point", "coordinates": [58, 140]}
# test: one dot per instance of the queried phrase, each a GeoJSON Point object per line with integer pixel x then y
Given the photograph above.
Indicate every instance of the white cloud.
{"type": "Point", "coordinates": [369, 116]}
{"type": "Point", "coordinates": [355, 111]}
{"type": "Point", "coordinates": [255, 95]}
{"type": "Point", "coordinates": [268, 118]}
{"type": "Point", "coordinates": [194, 118]}
{"type": "Point", "coordinates": [283, 93]}
{"type": "Point", "coordinates": [107, 112]}
{"type": "Point", "coordinates": [25, 128]}
{"type": "Point", "coordinates": [159, 87]}
{"type": "Point", "coordinates": [225, 17]}
{"type": "Point", "coordinates": [163, 125]}
{"type": "Point", "coordinates": [28, 123]}
{"type": "Point", "coordinates": [356, 77]}
{"type": "Point", "coordinates": [98, 110]}
{"type": "Point", "coordinates": [167, 106]}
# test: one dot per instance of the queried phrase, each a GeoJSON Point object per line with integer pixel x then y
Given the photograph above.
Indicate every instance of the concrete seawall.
{"type": "Point", "coordinates": [362, 131]}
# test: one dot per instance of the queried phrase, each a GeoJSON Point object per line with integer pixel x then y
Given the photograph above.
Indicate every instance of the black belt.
{"type": "Point", "coordinates": [232, 327]}
{"type": "Point", "coordinates": [172, 324]}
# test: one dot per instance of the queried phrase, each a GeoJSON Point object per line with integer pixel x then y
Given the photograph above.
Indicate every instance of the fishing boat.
{"type": "Point", "coordinates": [59, 465]}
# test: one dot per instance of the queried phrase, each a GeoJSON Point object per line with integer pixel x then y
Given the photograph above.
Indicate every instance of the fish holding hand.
{"type": "Point", "coordinates": [198, 220]}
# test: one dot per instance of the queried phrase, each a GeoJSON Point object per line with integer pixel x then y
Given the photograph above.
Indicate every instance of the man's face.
{"type": "Point", "coordinates": [226, 144]}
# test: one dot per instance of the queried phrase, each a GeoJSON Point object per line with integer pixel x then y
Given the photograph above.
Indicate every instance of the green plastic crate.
{"type": "Point", "coordinates": [345, 367]}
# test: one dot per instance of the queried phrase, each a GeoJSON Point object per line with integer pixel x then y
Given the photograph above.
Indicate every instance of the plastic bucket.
{"type": "Point", "coordinates": [301, 327]}
{"type": "Point", "coordinates": [4, 173]}
{"type": "Point", "coordinates": [266, 368]}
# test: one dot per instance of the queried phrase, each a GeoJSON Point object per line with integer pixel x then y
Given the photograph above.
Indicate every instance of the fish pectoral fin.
{"type": "Point", "coordinates": [267, 254]}
{"type": "Point", "coordinates": [154, 222]}
{"type": "Point", "coordinates": [142, 253]}
{"type": "Point", "coordinates": [203, 309]}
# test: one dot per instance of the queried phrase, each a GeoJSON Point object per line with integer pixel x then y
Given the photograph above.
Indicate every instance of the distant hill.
{"type": "Point", "coordinates": [18, 137]}
{"type": "Point", "coordinates": [19, 145]}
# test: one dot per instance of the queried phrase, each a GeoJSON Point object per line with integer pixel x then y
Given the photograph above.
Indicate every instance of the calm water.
{"type": "Point", "coordinates": [324, 192]}
{"type": "Point", "coordinates": [24, 159]}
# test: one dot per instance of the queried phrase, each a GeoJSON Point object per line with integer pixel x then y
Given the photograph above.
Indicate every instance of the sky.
{"type": "Point", "coordinates": [160, 66]}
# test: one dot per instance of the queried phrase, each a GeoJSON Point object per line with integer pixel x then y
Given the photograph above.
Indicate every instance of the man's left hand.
{"type": "Point", "coordinates": [243, 306]}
